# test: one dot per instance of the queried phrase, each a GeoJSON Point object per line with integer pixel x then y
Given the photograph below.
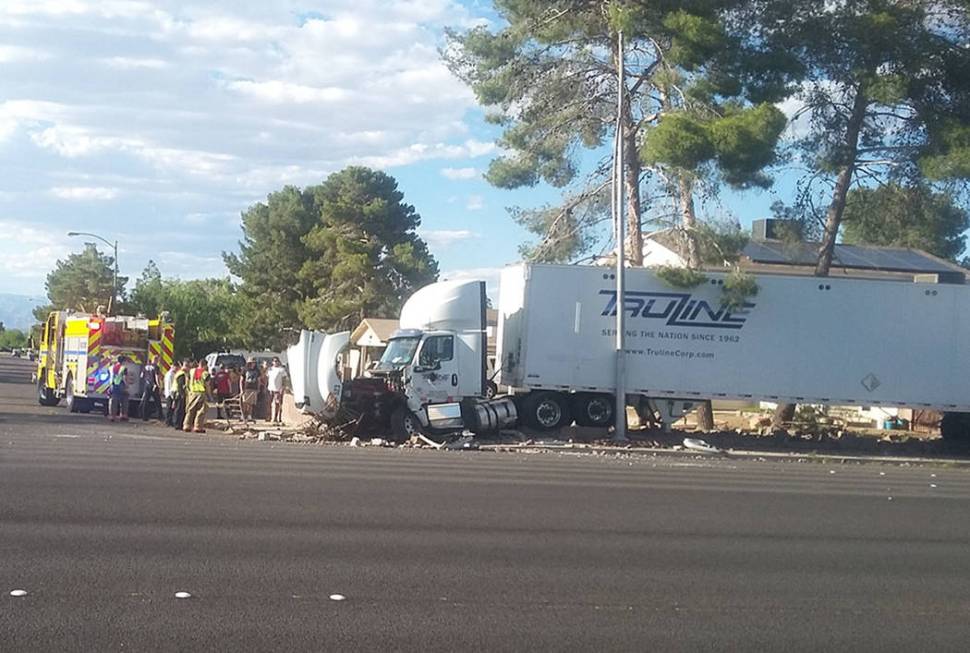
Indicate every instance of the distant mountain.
{"type": "Point", "coordinates": [17, 311]}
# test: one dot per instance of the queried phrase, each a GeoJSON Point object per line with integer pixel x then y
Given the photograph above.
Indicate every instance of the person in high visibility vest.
{"type": "Point", "coordinates": [180, 392]}
{"type": "Point", "coordinates": [200, 390]}
{"type": "Point", "coordinates": [118, 391]}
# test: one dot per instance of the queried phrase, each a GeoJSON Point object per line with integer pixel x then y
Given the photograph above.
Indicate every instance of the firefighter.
{"type": "Point", "coordinates": [150, 381]}
{"type": "Point", "coordinates": [180, 391]}
{"type": "Point", "coordinates": [118, 399]}
{"type": "Point", "coordinates": [199, 392]}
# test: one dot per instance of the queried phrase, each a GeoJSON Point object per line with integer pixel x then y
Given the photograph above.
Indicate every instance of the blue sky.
{"type": "Point", "coordinates": [157, 123]}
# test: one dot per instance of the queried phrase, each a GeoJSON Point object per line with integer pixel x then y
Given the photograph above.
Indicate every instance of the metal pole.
{"type": "Point", "coordinates": [619, 432]}
{"type": "Point", "coordinates": [114, 281]}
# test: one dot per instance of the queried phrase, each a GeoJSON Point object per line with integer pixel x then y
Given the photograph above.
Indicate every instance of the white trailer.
{"type": "Point", "coordinates": [843, 341]}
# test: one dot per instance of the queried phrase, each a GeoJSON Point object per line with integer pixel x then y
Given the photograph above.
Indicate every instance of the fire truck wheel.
{"type": "Point", "coordinates": [69, 398]}
{"type": "Point", "coordinates": [546, 411]}
{"type": "Point", "coordinates": [45, 395]}
{"type": "Point", "coordinates": [404, 424]}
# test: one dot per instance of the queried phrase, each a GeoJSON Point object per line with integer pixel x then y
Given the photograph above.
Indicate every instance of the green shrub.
{"type": "Point", "coordinates": [739, 286]}
{"type": "Point", "coordinates": [680, 277]}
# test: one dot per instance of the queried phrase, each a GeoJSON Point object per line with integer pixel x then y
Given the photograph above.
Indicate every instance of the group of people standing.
{"type": "Point", "coordinates": [187, 389]}
{"type": "Point", "coordinates": [188, 386]}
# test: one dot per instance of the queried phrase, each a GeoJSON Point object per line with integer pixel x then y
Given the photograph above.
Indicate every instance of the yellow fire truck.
{"type": "Point", "coordinates": [77, 351]}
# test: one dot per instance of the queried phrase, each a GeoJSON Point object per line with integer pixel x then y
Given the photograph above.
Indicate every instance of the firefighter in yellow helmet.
{"type": "Point", "coordinates": [200, 391]}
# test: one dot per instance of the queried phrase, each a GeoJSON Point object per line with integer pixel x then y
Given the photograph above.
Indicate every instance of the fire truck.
{"type": "Point", "coordinates": [77, 351]}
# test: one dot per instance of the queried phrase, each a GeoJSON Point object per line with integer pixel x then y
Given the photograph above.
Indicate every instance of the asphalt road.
{"type": "Point", "coordinates": [102, 524]}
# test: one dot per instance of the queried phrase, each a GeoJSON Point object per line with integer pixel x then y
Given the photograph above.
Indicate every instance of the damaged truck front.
{"type": "Point", "coordinates": [431, 378]}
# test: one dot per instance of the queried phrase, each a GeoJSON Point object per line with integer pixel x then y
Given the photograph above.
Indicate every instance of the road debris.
{"type": "Point", "coordinates": [464, 443]}
{"type": "Point", "coordinates": [338, 597]}
{"type": "Point", "coordinates": [695, 444]}
{"type": "Point", "coordinates": [183, 595]}
{"type": "Point", "coordinates": [428, 441]}
{"type": "Point", "coordinates": [18, 593]}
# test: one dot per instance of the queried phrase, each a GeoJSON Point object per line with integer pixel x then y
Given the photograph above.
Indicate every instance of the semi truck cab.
{"type": "Point", "coordinates": [432, 375]}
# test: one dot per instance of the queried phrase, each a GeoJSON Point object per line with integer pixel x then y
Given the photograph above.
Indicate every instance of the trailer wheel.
{"type": "Point", "coordinates": [45, 396]}
{"type": "Point", "coordinates": [593, 409]}
{"type": "Point", "coordinates": [955, 427]}
{"type": "Point", "coordinates": [546, 411]}
{"type": "Point", "coordinates": [404, 425]}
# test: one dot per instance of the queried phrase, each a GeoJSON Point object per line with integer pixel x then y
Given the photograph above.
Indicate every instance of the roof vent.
{"type": "Point", "coordinates": [766, 229]}
{"type": "Point", "coordinates": [954, 277]}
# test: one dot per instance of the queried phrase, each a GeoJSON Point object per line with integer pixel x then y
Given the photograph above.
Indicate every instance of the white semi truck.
{"type": "Point", "coordinates": [841, 341]}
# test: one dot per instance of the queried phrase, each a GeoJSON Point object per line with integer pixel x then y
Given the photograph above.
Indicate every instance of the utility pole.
{"type": "Point", "coordinates": [619, 432]}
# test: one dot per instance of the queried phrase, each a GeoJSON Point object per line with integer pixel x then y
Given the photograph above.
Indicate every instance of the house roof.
{"type": "Point", "coordinates": [794, 257]}
{"type": "Point", "coordinates": [856, 257]}
{"type": "Point", "coordinates": [373, 331]}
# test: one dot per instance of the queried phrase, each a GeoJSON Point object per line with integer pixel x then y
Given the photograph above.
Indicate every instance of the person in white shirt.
{"type": "Point", "coordinates": [276, 384]}
{"type": "Point", "coordinates": [168, 389]}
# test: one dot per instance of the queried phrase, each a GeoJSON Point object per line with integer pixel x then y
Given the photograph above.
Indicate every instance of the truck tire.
{"type": "Point", "coordinates": [545, 411]}
{"type": "Point", "coordinates": [955, 427]}
{"type": "Point", "coordinates": [45, 396]}
{"type": "Point", "coordinates": [591, 409]}
{"type": "Point", "coordinates": [69, 399]}
{"type": "Point", "coordinates": [74, 403]}
{"type": "Point", "coordinates": [404, 425]}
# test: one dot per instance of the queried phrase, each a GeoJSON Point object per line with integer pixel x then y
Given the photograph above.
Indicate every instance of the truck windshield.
{"type": "Point", "coordinates": [399, 353]}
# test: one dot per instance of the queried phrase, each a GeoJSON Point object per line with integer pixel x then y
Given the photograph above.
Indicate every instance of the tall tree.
{"type": "Point", "coordinates": [328, 255]}
{"type": "Point", "coordinates": [549, 78]}
{"type": "Point", "coordinates": [206, 312]}
{"type": "Point", "coordinates": [886, 94]}
{"type": "Point", "coordinates": [900, 216]}
{"type": "Point", "coordinates": [270, 257]}
{"type": "Point", "coordinates": [365, 256]}
{"type": "Point", "coordinates": [885, 97]}
{"type": "Point", "coordinates": [82, 282]}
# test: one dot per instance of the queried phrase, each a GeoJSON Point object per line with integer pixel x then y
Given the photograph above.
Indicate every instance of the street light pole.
{"type": "Point", "coordinates": [114, 279]}
{"type": "Point", "coordinates": [619, 431]}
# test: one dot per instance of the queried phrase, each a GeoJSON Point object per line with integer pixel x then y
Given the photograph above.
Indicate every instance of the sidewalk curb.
{"type": "Point", "coordinates": [729, 453]}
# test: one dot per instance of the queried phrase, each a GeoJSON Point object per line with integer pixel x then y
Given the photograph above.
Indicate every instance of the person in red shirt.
{"type": "Point", "coordinates": [223, 384]}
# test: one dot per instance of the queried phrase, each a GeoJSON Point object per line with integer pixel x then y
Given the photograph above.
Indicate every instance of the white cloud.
{"type": "Point", "coordinates": [475, 203]}
{"type": "Point", "coordinates": [84, 193]}
{"type": "Point", "coordinates": [134, 63]}
{"type": "Point", "coordinates": [442, 238]}
{"type": "Point", "coordinates": [424, 151]}
{"type": "Point", "coordinates": [24, 245]}
{"type": "Point", "coordinates": [71, 142]}
{"type": "Point", "coordinates": [15, 53]}
{"type": "Point", "coordinates": [279, 92]}
{"type": "Point", "coordinates": [460, 173]}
